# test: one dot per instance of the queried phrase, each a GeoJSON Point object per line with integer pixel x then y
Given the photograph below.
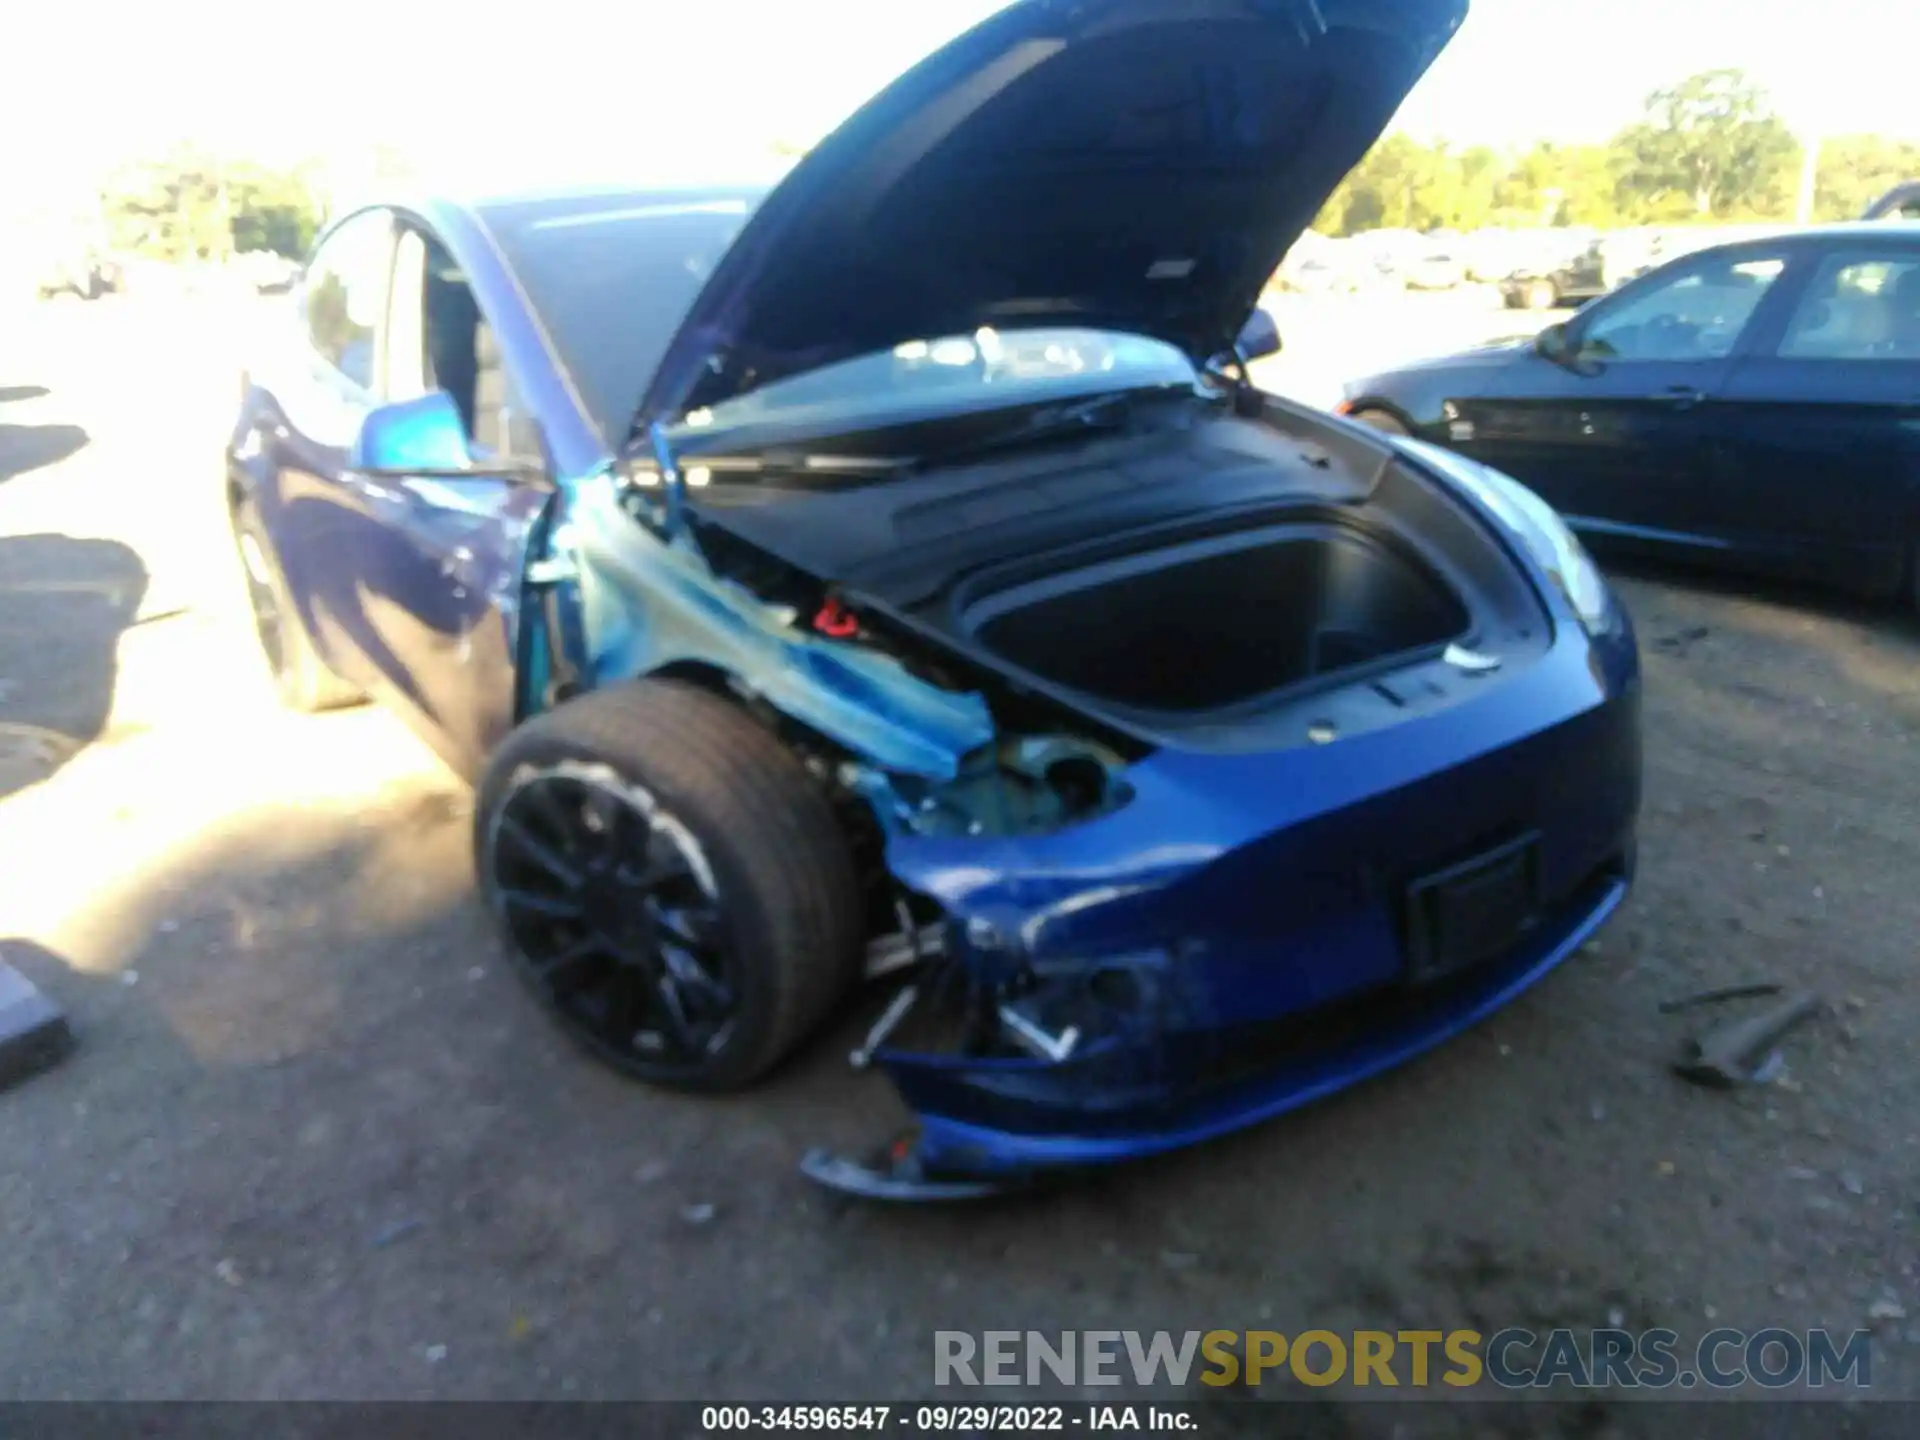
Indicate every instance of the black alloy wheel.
{"type": "Point", "coordinates": [616, 916]}
{"type": "Point", "coordinates": [673, 883]}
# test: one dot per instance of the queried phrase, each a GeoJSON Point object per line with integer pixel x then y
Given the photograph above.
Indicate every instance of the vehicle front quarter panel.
{"type": "Point", "coordinates": [648, 603]}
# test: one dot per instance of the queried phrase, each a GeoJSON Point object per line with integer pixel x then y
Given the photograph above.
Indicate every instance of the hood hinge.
{"type": "Point", "coordinates": [673, 486]}
{"type": "Point", "coordinates": [1248, 403]}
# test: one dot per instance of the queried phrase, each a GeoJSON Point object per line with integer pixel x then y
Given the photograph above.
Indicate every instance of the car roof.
{"type": "Point", "coordinates": [560, 201]}
{"type": "Point", "coordinates": [438, 207]}
{"type": "Point", "coordinates": [1807, 237]}
{"type": "Point", "coordinates": [1898, 198]}
{"type": "Point", "coordinates": [1861, 230]}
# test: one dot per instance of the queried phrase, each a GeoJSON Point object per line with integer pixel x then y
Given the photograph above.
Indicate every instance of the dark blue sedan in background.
{"type": "Point", "coordinates": [1754, 405]}
{"type": "Point", "coordinates": [898, 574]}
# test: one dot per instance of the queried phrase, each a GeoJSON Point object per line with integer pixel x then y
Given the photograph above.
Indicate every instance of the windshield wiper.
{"type": "Point", "coordinates": [1099, 415]}
{"type": "Point", "coordinates": [782, 464]}
{"type": "Point", "coordinates": [1105, 414]}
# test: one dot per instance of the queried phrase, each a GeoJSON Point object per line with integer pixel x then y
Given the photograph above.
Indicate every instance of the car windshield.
{"type": "Point", "coordinates": [612, 276]}
{"type": "Point", "coordinates": [987, 370]}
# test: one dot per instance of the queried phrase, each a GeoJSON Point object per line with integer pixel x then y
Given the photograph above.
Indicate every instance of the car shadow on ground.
{"type": "Point", "coordinates": [63, 605]}
{"type": "Point", "coordinates": [1709, 582]}
{"type": "Point", "coordinates": [32, 447]}
{"type": "Point", "coordinates": [315, 1142]}
{"type": "Point", "coordinates": [1859, 651]}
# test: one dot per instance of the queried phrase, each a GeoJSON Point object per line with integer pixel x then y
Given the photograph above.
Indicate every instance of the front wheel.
{"type": "Point", "coordinates": [671, 882]}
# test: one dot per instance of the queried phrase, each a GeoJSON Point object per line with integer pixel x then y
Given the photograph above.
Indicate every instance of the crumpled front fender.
{"type": "Point", "coordinates": [649, 603]}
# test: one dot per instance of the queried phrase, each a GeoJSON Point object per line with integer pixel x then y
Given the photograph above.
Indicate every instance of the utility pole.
{"type": "Point", "coordinates": [1809, 177]}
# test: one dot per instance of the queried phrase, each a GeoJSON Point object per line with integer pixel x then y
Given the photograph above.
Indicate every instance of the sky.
{"type": "Point", "coordinates": [576, 89]}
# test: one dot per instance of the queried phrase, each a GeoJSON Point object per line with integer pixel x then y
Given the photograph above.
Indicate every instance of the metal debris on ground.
{"type": "Point", "coordinates": [1742, 1052]}
{"type": "Point", "coordinates": [1680, 640]}
{"type": "Point", "coordinates": [1715, 996]}
{"type": "Point", "coordinates": [34, 1034]}
{"type": "Point", "coordinates": [397, 1231]}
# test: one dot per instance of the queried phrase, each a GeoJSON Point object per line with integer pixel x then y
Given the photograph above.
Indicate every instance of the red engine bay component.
{"type": "Point", "coordinates": [835, 621]}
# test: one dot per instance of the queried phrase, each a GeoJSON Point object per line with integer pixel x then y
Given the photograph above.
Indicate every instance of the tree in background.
{"type": "Point", "coordinates": [1708, 148]}
{"type": "Point", "coordinates": [273, 210]}
{"type": "Point", "coordinates": [188, 205]}
{"type": "Point", "coordinates": [171, 208]}
{"type": "Point", "coordinates": [1856, 170]}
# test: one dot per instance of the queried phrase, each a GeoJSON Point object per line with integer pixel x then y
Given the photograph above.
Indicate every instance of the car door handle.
{"type": "Point", "coordinates": [1682, 397]}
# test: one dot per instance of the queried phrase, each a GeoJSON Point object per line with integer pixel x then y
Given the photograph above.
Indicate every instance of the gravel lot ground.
{"type": "Point", "coordinates": [316, 1143]}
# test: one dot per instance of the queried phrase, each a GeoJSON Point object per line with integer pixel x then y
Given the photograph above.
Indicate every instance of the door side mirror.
{"type": "Point", "coordinates": [1554, 344]}
{"type": "Point", "coordinates": [1259, 337]}
{"type": "Point", "coordinates": [424, 438]}
{"type": "Point", "coordinates": [1567, 348]}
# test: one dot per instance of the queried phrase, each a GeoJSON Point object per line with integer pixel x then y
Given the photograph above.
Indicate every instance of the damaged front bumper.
{"type": "Point", "coordinates": [1239, 940]}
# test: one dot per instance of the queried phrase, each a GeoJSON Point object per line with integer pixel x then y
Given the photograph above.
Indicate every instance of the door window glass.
{"type": "Point", "coordinates": [1859, 307]}
{"type": "Point", "coordinates": [1697, 314]}
{"type": "Point", "coordinates": [439, 339]}
{"type": "Point", "coordinates": [345, 291]}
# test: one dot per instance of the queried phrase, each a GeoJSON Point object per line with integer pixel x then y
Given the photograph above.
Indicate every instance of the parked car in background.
{"type": "Point", "coordinates": [1753, 405]}
{"type": "Point", "coordinates": [1490, 256]}
{"type": "Point", "coordinates": [1607, 261]}
{"type": "Point", "coordinates": [1902, 202]}
{"type": "Point", "coordinates": [1317, 275]}
{"type": "Point", "coordinates": [62, 256]}
{"type": "Point", "coordinates": [1439, 270]}
{"type": "Point", "coordinates": [1530, 288]}
{"type": "Point", "coordinates": [1335, 269]}
{"type": "Point", "coordinates": [863, 581]}
{"type": "Point", "coordinates": [267, 272]}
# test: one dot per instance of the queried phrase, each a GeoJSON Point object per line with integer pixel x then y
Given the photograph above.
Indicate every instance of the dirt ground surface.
{"type": "Point", "coordinates": [315, 1142]}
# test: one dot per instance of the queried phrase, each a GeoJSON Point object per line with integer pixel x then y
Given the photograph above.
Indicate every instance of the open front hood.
{"type": "Point", "coordinates": [1136, 165]}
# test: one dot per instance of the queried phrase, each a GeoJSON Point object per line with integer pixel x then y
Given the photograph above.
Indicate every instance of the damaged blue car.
{"type": "Point", "coordinates": [896, 580]}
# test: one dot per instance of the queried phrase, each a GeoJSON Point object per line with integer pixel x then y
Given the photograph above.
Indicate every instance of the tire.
{"type": "Point", "coordinates": [301, 679]}
{"type": "Point", "coordinates": [718, 872]}
{"type": "Point", "coordinates": [1542, 295]}
{"type": "Point", "coordinates": [1381, 420]}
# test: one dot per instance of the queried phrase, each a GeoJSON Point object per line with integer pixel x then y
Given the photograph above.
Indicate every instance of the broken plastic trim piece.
{"type": "Point", "coordinates": [34, 1035]}
{"type": "Point", "coordinates": [1741, 1052]}
{"type": "Point", "coordinates": [888, 1022]}
{"type": "Point", "coordinates": [1717, 995]}
{"type": "Point", "coordinates": [1052, 1048]}
{"type": "Point", "coordinates": [897, 1173]}
{"type": "Point", "coordinates": [907, 946]}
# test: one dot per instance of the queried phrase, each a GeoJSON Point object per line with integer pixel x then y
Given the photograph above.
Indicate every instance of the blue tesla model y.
{"type": "Point", "coordinates": [895, 577]}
